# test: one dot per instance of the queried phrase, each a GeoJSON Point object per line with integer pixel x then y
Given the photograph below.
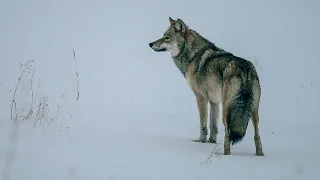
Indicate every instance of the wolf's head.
{"type": "Point", "coordinates": [173, 39]}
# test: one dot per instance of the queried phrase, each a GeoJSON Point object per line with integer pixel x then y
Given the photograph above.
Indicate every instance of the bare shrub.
{"type": "Point", "coordinates": [38, 109]}
{"type": "Point", "coordinates": [42, 113]}
{"type": "Point", "coordinates": [14, 135]}
{"type": "Point", "coordinates": [25, 70]}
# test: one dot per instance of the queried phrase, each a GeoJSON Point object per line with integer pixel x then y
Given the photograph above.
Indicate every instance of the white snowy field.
{"type": "Point", "coordinates": [136, 115]}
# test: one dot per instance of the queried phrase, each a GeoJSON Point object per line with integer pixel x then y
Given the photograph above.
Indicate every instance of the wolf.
{"type": "Point", "coordinates": [215, 76]}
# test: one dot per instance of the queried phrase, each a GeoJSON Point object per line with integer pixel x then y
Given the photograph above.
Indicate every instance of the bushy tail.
{"type": "Point", "coordinates": [239, 113]}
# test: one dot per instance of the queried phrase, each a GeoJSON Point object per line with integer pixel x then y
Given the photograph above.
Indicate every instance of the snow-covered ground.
{"type": "Point", "coordinates": [136, 115]}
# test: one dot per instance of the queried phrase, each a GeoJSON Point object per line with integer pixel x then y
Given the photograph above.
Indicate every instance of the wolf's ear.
{"type": "Point", "coordinates": [180, 25]}
{"type": "Point", "coordinates": [171, 21]}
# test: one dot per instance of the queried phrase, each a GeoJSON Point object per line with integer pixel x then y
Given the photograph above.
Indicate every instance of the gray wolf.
{"type": "Point", "coordinates": [215, 76]}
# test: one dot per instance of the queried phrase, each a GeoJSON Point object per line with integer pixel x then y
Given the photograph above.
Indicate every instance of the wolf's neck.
{"type": "Point", "coordinates": [194, 46]}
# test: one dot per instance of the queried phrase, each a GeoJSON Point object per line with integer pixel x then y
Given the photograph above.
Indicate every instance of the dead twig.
{"type": "Point", "coordinates": [68, 127]}
{"type": "Point", "coordinates": [42, 113]}
{"type": "Point", "coordinates": [77, 75]}
{"type": "Point", "coordinates": [32, 98]}
{"type": "Point", "coordinates": [215, 152]}
{"type": "Point", "coordinates": [14, 104]}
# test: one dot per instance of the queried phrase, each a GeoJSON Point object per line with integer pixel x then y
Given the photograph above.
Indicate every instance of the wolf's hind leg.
{"type": "Point", "coordinates": [257, 139]}
{"type": "Point", "coordinates": [226, 132]}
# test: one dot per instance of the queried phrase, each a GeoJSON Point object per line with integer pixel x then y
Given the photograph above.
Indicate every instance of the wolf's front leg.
{"type": "Point", "coordinates": [214, 115]}
{"type": "Point", "coordinates": [202, 103]}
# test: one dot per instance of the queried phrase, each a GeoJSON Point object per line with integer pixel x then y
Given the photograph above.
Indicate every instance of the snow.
{"type": "Point", "coordinates": [136, 116]}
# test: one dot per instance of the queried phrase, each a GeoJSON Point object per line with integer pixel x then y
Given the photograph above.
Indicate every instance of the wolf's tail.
{"type": "Point", "coordinates": [240, 111]}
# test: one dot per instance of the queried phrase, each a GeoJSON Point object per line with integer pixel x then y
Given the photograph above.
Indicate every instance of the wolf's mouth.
{"type": "Point", "coordinates": [160, 50]}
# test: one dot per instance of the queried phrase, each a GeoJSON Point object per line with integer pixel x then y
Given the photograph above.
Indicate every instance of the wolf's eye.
{"type": "Point", "coordinates": [166, 38]}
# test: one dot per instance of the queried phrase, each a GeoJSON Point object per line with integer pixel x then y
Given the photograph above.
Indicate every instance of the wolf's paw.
{"type": "Point", "coordinates": [197, 140]}
{"type": "Point", "coordinates": [212, 140]}
{"type": "Point", "coordinates": [203, 138]}
{"type": "Point", "coordinates": [259, 153]}
{"type": "Point", "coordinates": [226, 151]}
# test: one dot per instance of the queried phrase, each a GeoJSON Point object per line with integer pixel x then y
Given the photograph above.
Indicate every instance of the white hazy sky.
{"type": "Point", "coordinates": [120, 74]}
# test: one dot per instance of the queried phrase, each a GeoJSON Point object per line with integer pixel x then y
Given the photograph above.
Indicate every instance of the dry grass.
{"type": "Point", "coordinates": [216, 152]}
{"type": "Point", "coordinates": [25, 70]}
{"type": "Point", "coordinates": [38, 113]}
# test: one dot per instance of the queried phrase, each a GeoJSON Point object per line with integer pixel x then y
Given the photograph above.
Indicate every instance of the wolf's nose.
{"type": "Point", "coordinates": [150, 44]}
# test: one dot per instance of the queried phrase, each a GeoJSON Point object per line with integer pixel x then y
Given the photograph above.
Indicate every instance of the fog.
{"type": "Point", "coordinates": [136, 114]}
